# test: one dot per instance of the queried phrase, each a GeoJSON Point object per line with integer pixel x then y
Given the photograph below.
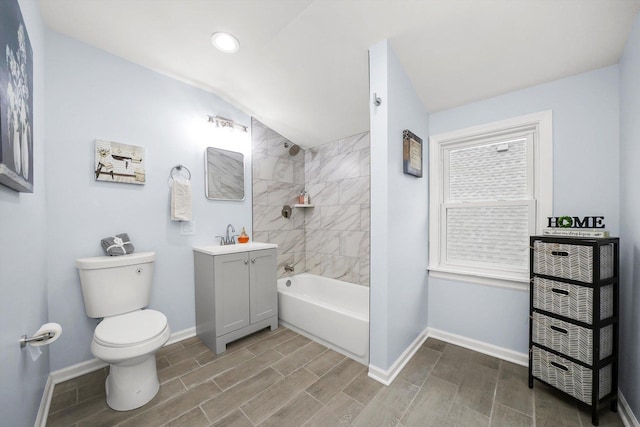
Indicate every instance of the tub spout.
{"type": "Point", "coordinates": [288, 268]}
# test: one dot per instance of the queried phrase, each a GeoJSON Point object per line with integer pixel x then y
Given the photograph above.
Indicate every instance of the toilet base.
{"type": "Point", "coordinates": [132, 384]}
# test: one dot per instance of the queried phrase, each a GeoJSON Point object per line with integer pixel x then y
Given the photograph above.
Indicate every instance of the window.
{"type": "Point", "coordinates": [490, 189]}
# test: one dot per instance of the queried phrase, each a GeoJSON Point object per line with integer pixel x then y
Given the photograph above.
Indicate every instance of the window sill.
{"type": "Point", "coordinates": [499, 281]}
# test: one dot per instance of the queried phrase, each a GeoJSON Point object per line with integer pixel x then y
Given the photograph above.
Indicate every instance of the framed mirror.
{"type": "Point", "coordinates": [224, 174]}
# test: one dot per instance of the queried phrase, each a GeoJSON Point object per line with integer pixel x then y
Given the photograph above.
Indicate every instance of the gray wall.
{"type": "Point", "coordinates": [399, 213]}
{"type": "Point", "coordinates": [23, 261]}
{"type": "Point", "coordinates": [586, 159]}
{"type": "Point", "coordinates": [629, 221]}
{"type": "Point", "coordinates": [91, 94]}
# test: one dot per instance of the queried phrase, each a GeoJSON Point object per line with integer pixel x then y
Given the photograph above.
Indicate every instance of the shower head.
{"type": "Point", "coordinates": [295, 149]}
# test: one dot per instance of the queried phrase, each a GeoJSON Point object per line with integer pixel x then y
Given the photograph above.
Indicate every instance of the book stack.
{"type": "Point", "coordinates": [576, 232]}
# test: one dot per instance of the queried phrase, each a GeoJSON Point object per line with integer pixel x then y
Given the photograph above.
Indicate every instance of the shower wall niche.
{"type": "Point", "coordinates": [332, 238]}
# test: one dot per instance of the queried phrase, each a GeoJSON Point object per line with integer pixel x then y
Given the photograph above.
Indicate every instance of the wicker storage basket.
{"type": "Point", "coordinates": [568, 376]}
{"type": "Point", "coordinates": [572, 301]}
{"type": "Point", "coordinates": [573, 262]}
{"type": "Point", "coordinates": [572, 340]}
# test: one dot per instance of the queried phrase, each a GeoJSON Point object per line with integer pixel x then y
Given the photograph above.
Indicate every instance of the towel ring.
{"type": "Point", "coordinates": [179, 169]}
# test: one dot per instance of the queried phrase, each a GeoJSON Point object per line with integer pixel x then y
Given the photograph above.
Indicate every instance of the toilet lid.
{"type": "Point", "coordinates": [130, 328]}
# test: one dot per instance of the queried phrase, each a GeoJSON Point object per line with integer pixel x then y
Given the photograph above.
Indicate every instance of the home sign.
{"type": "Point", "coordinates": [576, 222]}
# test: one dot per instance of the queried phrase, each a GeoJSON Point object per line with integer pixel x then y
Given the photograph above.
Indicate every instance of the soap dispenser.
{"type": "Point", "coordinates": [243, 237]}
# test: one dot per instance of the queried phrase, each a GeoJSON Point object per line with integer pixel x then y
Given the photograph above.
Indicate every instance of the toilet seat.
{"type": "Point", "coordinates": [130, 329]}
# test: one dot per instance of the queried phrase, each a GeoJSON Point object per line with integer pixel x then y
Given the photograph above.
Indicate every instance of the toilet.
{"type": "Point", "coordinates": [117, 288]}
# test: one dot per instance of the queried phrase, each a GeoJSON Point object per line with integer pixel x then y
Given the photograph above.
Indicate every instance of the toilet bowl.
{"type": "Point", "coordinates": [117, 289]}
{"type": "Point", "coordinates": [128, 342]}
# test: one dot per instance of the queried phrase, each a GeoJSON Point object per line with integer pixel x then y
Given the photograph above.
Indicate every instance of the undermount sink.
{"type": "Point", "coordinates": [230, 249]}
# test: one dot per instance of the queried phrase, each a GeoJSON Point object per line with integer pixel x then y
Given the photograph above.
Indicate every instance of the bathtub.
{"type": "Point", "coordinates": [331, 312]}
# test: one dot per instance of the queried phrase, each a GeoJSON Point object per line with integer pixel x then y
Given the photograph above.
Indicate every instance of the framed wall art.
{"type": "Point", "coordinates": [411, 154]}
{"type": "Point", "coordinates": [16, 100]}
{"type": "Point", "coordinates": [115, 162]}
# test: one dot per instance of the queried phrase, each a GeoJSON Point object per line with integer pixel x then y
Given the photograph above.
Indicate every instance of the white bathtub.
{"type": "Point", "coordinates": [331, 312]}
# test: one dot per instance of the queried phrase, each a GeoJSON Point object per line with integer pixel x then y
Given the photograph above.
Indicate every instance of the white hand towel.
{"type": "Point", "coordinates": [181, 207]}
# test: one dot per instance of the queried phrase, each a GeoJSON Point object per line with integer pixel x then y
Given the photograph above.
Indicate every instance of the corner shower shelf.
{"type": "Point", "coordinates": [299, 205]}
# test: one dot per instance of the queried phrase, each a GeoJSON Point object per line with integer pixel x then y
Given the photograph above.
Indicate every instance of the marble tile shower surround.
{"type": "Point", "coordinates": [278, 178]}
{"type": "Point", "coordinates": [337, 229]}
{"type": "Point", "coordinates": [331, 239]}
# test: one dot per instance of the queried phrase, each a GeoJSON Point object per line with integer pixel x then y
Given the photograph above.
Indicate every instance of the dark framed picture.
{"type": "Point", "coordinates": [411, 154]}
{"type": "Point", "coordinates": [16, 100]}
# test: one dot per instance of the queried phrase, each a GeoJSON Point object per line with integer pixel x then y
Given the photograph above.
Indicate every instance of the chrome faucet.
{"type": "Point", "coordinates": [288, 268]}
{"type": "Point", "coordinates": [228, 240]}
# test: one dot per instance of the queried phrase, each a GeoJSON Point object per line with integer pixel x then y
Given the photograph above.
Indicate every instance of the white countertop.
{"type": "Point", "coordinates": [230, 249]}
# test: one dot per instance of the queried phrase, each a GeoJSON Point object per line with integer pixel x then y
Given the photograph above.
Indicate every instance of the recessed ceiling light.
{"type": "Point", "coordinates": [225, 42]}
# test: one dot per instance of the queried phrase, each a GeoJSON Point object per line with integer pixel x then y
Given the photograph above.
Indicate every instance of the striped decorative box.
{"type": "Point", "coordinates": [572, 340]}
{"type": "Point", "coordinates": [572, 301]}
{"type": "Point", "coordinates": [573, 309]}
{"type": "Point", "coordinates": [569, 377]}
{"type": "Point", "coordinates": [568, 261]}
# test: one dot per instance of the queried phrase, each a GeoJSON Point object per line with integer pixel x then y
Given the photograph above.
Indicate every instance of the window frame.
{"type": "Point", "coordinates": [539, 125]}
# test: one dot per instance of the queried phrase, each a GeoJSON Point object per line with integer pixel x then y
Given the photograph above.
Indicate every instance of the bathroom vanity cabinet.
{"type": "Point", "coordinates": [235, 292]}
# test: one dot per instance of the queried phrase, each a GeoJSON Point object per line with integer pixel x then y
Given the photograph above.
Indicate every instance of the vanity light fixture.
{"type": "Point", "coordinates": [225, 42]}
{"type": "Point", "coordinates": [221, 122]}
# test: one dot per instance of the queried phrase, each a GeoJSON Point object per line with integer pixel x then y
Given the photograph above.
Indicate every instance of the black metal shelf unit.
{"type": "Point", "coordinates": [573, 325]}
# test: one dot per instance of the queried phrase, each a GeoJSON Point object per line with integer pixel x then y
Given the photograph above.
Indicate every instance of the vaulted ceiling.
{"type": "Point", "coordinates": [302, 68]}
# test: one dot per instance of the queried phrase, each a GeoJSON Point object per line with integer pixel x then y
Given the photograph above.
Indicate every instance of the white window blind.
{"type": "Point", "coordinates": [495, 171]}
{"type": "Point", "coordinates": [487, 206]}
{"type": "Point", "coordinates": [485, 201]}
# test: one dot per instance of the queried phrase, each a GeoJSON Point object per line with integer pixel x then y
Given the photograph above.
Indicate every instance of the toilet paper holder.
{"type": "Point", "coordinates": [37, 338]}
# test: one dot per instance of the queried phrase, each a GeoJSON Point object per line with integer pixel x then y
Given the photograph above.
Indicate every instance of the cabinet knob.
{"type": "Point", "coordinates": [253, 260]}
{"type": "Point", "coordinates": [246, 262]}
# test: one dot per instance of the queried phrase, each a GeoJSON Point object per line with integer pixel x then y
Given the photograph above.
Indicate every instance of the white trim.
{"type": "Point", "coordinates": [626, 414]}
{"type": "Point", "coordinates": [487, 280]}
{"type": "Point", "coordinates": [82, 368]}
{"type": "Point", "coordinates": [45, 404]}
{"type": "Point", "coordinates": [481, 347]}
{"type": "Point", "coordinates": [77, 370]}
{"type": "Point", "coordinates": [181, 335]}
{"type": "Point", "coordinates": [387, 376]}
{"type": "Point", "coordinates": [543, 174]}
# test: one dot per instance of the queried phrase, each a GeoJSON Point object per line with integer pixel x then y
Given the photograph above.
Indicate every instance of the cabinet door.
{"type": "Point", "coordinates": [231, 277]}
{"type": "Point", "coordinates": [264, 293]}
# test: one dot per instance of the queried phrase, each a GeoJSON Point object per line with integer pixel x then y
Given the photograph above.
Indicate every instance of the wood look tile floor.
{"type": "Point", "coordinates": [279, 378]}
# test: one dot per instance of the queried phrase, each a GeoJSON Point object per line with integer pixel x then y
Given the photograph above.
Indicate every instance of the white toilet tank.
{"type": "Point", "coordinates": [113, 285]}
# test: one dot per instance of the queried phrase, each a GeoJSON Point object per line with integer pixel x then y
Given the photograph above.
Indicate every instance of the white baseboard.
{"type": "Point", "coordinates": [77, 370]}
{"type": "Point", "coordinates": [387, 376]}
{"type": "Point", "coordinates": [45, 403]}
{"type": "Point", "coordinates": [181, 335]}
{"type": "Point", "coordinates": [626, 414]}
{"type": "Point", "coordinates": [82, 368]}
{"type": "Point", "coordinates": [481, 347]}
